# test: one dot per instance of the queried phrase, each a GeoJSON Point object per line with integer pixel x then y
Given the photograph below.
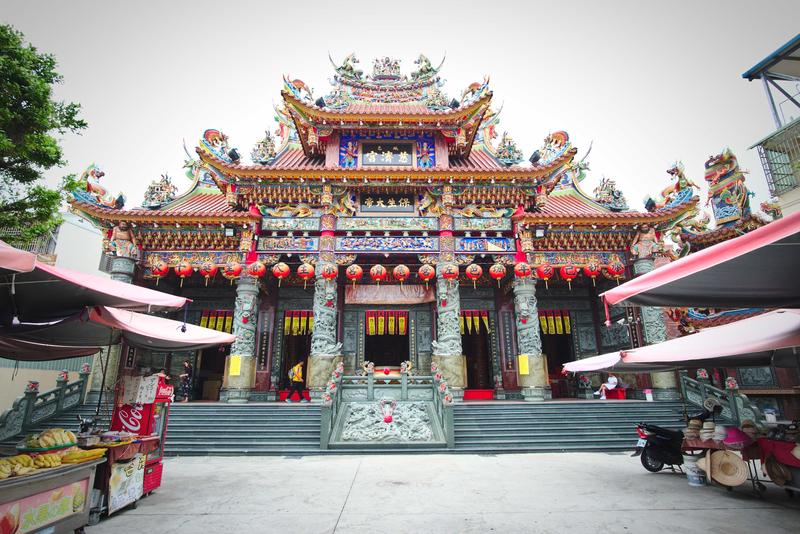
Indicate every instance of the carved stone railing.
{"type": "Point", "coordinates": [736, 407]}
{"type": "Point", "coordinates": [32, 408]}
{"type": "Point", "coordinates": [342, 389]}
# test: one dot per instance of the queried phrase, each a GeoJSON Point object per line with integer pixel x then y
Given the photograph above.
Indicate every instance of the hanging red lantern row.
{"type": "Point", "coordinates": [544, 272]}
{"type": "Point", "coordinates": [183, 269]}
{"type": "Point", "coordinates": [280, 271]}
{"type": "Point", "coordinates": [401, 273]}
{"type": "Point", "coordinates": [354, 273]}
{"type": "Point", "coordinates": [592, 270]}
{"type": "Point", "coordinates": [159, 270]}
{"type": "Point", "coordinates": [497, 271]}
{"type": "Point", "coordinates": [569, 272]}
{"type": "Point", "coordinates": [616, 270]}
{"type": "Point", "coordinates": [378, 273]}
{"type": "Point", "coordinates": [426, 273]}
{"type": "Point", "coordinates": [329, 271]}
{"type": "Point", "coordinates": [257, 269]}
{"type": "Point", "coordinates": [473, 272]}
{"type": "Point", "coordinates": [232, 270]}
{"type": "Point", "coordinates": [450, 271]}
{"type": "Point", "coordinates": [306, 273]}
{"type": "Point", "coordinates": [522, 270]}
{"type": "Point", "coordinates": [208, 270]}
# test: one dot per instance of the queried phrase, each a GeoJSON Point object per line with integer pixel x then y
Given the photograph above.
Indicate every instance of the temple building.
{"type": "Point", "coordinates": [387, 222]}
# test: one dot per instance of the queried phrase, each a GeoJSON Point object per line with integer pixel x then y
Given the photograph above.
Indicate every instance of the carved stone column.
{"type": "Point", "coordinates": [665, 386]}
{"type": "Point", "coordinates": [529, 341]}
{"type": "Point", "coordinates": [122, 269]}
{"type": "Point", "coordinates": [447, 353]}
{"type": "Point", "coordinates": [236, 387]}
{"type": "Point", "coordinates": [326, 352]}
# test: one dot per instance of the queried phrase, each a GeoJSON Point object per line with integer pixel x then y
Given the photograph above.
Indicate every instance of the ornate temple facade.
{"type": "Point", "coordinates": [387, 222]}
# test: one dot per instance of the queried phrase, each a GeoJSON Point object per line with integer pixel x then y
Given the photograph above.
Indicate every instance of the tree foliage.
{"type": "Point", "coordinates": [29, 120]}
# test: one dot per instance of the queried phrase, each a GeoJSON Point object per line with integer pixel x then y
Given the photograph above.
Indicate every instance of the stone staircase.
{"type": "Point", "coordinates": [480, 427]}
{"type": "Point", "coordinates": [557, 426]}
{"type": "Point", "coordinates": [236, 429]}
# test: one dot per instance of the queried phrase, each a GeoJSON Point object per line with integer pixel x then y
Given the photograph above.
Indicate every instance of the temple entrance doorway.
{"type": "Point", "coordinates": [558, 346]}
{"type": "Point", "coordinates": [208, 371]}
{"type": "Point", "coordinates": [296, 348]}
{"type": "Point", "coordinates": [475, 344]}
{"type": "Point", "coordinates": [386, 340]}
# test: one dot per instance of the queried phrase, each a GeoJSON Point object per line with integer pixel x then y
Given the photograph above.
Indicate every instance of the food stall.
{"type": "Point", "coordinates": [47, 486]}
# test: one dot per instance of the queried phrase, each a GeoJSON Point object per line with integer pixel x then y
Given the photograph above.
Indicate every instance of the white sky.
{"type": "Point", "coordinates": [648, 82]}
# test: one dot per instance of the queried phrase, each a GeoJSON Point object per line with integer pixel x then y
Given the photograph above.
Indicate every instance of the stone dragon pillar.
{"type": "Point", "coordinates": [447, 353]}
{"type": "Point", "coordinates": [665, 386]}
{"type": "Point", "coordinates": [240, 365]}
{"type": "Point", "coordinates": [529, 341]}
{"type": "Point", "coordinates": [326, 352]}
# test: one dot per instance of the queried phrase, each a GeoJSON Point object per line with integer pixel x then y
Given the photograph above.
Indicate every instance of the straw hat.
{"type": "Point", "coordinates": [777, 472]}
{"type": "Point", "coordinates": [695, 423]}
{"type": "Point", "coordinates": [727, 468]}
{"type": "Point", "coordinates": [709, 425]}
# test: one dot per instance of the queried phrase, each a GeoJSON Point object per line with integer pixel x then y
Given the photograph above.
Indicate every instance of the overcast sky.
{"type": "Point", "coordinates": [647, 82]}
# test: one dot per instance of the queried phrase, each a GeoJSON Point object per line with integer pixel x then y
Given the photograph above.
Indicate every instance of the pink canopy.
{"type": "Point", "coordinates": [756, 270]}
{"type": "Point", "coordinates": [13, 260]}
{"type": "Point", "coordinates": [19, 349]}
{"type": "Point", "coordinates": [767, 339]}
{"type": "Point", "coordinates": [44, 293]}
{"type": "Point", "coordinates": [102, 325]}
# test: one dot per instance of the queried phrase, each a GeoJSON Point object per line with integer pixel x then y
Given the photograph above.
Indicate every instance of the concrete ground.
{"type": "Point", "coordinates": [542, 493]}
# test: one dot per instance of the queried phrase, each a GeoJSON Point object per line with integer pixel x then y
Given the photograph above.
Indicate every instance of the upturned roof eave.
{"type": "Point", "coordinates": [610, 218]}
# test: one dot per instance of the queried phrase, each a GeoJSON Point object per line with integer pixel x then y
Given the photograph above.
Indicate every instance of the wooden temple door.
{"type": "Point", "coordinates": [476, 345]}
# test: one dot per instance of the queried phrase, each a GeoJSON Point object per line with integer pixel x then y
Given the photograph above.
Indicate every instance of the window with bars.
{"type": "Point", "coordinates": [780, 157]}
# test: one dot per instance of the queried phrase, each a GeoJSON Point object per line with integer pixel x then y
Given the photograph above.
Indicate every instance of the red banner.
{"type": "Point", "coordinates": [485, 317]}
{"type": "Point", "coordinates": [287, 322]}
{"type": "Point", "coordinates": [371, 323]}
{"type": "Point", "coordinates": [381, 322]}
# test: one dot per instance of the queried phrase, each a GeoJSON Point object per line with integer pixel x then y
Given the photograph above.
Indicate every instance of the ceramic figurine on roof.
{"type": "Point", "coordinates": [607, 194]}
{"type": "Point", "coordinates": [298, 88]}
{"type": "Point", "coordinates": [507, 151]}
{"type": "Point", "coordinates": [474, 91]}
{"type": "Point", "coordinates": [425, 69]}
{"type": "Point", "coordinates": [216, 143]}
{"type": "Point", "coordinates": [646, 244]}
{"type": "Point", "coordinates": [347, 68]}
{"type": "Point", "coordinates": [555, 145]}
{"type": "Point", "coordinates": [159, 192]}
{"type": "Point", "coordinates": [264, 151]}
{"type": "Point", "coordinates": [385, 68]}
{"type": "Point", "coordinates": [772, 208]}
{"type": "Point", "coordinates": [89, 190]}
{"type": "Point", "coordinates": [727, 194]}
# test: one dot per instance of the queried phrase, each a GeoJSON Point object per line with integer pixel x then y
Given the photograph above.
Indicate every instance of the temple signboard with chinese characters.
{"type": "Point", "coordinates": [390, 187]}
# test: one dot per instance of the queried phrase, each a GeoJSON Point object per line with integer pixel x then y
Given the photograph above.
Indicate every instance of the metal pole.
{"type": "Point", "coordinates": [772, 107]}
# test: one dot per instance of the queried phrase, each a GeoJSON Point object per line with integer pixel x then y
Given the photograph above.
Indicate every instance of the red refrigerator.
{"type": "Point", "coordinates": [147, 420]}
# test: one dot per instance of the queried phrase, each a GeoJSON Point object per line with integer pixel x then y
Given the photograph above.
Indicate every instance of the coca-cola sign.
{"type": "Point", "coordinates": [130, 418]}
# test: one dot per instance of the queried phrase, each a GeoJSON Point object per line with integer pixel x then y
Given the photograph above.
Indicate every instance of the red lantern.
{"type": "Point", "coordinates": [569, 272]}
{"type": "Point", "coordinates": [616, 270]}
{"type": "Point", "coordinates": [208, 270]}
{"type": "Point", "coordinates": [183, 269]}
{"type": "Point", "coordinates": [522, 270]}
{"type": "Point", "coordinates": [592, 270]}
{"type": "Point", "coordinates": [426, 273]}
{"type": "Point", "coordinates": [159, 270]}
{"type": "Point", "coordinates": [329, 271]}
{"type": "Point", "coordinates": [401, 273]}
{"type": "Point", "coordinates": [544, 272]}
{"type": "Point", "coordinates": [450, 271]}
{"type": "Point", "coordinates": [306, 272]}
{"type": "Point", "coordinates": [232, 270]}
{"type": "Point", "coordinates": [497, 271]}
{"type": "Point", "coordinates": [280, 271]}
{"type": "Point", "coordinates": [354, 273]}
{"type": "Point", "coordinates": [256, 269]}
{"type": "Point", "coordinates": [378, 273]}
{"type": "Point", "coordinates": [473, 272]}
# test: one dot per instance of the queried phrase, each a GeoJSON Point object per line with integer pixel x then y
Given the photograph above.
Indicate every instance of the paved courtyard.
{"type": "Point", "coordinates": [542, 493]}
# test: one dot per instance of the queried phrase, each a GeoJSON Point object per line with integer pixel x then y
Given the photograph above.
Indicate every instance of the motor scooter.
{"type": "Point", "coordinates": [658, 446]}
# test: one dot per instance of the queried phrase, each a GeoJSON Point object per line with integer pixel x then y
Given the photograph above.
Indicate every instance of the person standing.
{"type": "Point", "coordinates": [186, 380]}
{"type": "Point", "coordinates": [296, 378]}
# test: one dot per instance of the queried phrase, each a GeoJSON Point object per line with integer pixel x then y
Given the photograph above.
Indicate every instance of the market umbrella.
{"type": "Point", "coordinates": [43, 292]}
{"type": "Point", "coordinates": [104, 325]}
{"type": "Point", "coordinates": [20, 349]}
{"type": "Point", "coordinates": [756, 270]}
{"type": "Point", "coordinates": [767, 339]}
